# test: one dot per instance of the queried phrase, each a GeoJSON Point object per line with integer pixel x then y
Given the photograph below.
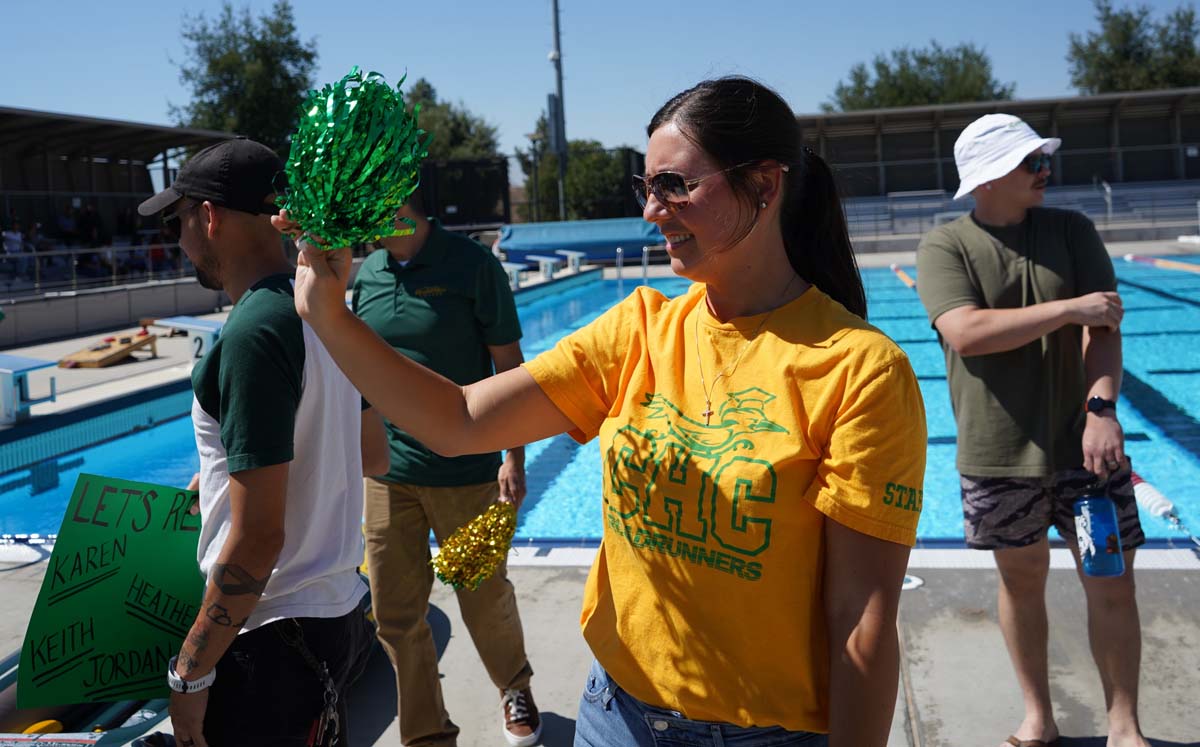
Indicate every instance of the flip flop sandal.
{"type": "Point", "coordinates": [1031, 742]}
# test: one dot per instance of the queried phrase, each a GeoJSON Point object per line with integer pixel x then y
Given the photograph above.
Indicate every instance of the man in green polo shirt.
{"type": "Point", "coordinates": [442, 300]}
{"type": "Point", "coordinates": [1024, 302]}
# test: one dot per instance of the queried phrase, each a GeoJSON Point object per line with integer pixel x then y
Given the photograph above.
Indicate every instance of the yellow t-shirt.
{"type": "Point", "coordinates": [705, 597]}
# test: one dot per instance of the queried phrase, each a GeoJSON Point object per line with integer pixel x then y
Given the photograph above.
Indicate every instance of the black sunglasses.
{"type": "Point", "coordinates": [671, 189]}
{"type": "Point", "coordinates": [1036, 162]}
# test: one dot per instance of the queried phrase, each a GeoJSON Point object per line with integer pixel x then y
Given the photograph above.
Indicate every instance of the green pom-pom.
{"type": "Point", "coordinates": [356, 157]}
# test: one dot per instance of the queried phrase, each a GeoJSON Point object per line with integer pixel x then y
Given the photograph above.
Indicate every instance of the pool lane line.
{"type": "Point", "coordinates": [1160, 333]}
{"type": "Point", "coordinates": [903, 276]}
{"type": "Point", "coordinates": [33, 539]}
{"type": "Point", "coordinates": [1159, 554]}
{"type": "Point", "coordinates": [1158, 505]}
{"type": "Point", "coordinates": [1165, 264]}
{"type": "Point", "coordinates": [1175, 423]}
{"type": "Point", "coordinates": [1159, 293]}
{"type": "Point", "coordinates": [949, 440]}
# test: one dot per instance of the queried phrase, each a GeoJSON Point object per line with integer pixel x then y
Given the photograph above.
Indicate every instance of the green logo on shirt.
{"type": "Point", "coordinates": [694, 485]}
{"type": "Point", "coordinates": [902, 497]}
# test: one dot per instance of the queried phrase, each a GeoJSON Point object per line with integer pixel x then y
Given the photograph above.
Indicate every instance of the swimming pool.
{"type": "Point", "coordinates": [1159, 406]}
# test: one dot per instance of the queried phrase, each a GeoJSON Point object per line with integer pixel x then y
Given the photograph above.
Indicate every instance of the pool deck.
{"type": "Point", "coordinates": [957, 687]}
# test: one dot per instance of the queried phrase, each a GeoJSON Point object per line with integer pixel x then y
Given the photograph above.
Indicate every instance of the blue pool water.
{"type": "Point", "coordinates": [1159, 407]}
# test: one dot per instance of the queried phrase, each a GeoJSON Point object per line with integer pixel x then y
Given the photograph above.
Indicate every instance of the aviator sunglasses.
{"type": "Point", "coordinates": [671, 189]}
{"type": "Point", "coordinates": [1036, 162]}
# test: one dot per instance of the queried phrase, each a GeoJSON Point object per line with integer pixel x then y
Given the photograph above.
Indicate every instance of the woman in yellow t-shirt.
{"type": "Point", "coordinates": [763, 446]}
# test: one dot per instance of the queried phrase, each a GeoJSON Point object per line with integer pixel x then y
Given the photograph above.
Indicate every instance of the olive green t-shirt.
{"type": "Point", "coordinates": [442, 309]}
{"type": "Point", "coordinates": [1019, 413]}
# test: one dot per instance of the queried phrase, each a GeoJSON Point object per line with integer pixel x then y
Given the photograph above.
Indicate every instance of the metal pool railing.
{"type": "Point", "coordinates": [646, 251]}
{"type": "Point", "coordinates": [73, 269]}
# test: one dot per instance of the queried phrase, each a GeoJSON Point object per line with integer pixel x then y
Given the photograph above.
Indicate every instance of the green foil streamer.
{"type": "Point", "coordinates": [355, 158]}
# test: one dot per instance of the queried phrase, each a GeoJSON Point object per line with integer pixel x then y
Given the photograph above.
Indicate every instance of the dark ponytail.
{"type": "Point", "coordinates": [737, 120]}
{"type": "Point", "coordinates": [815, 232]}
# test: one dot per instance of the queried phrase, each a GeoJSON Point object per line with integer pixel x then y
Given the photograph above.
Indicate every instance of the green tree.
{"type": "Point", "coordinates": [1131, 52]}
{"type": "Point", "coordinates": [595, 185]}
{"type": "Point", "coordinates": [457, 133]}
{"type": "Point", "coordinates": [918, 77]}
{"type": "Point", "coordinates": [246, 75]}
{"type": "Point", "coordinates": [535, 165]}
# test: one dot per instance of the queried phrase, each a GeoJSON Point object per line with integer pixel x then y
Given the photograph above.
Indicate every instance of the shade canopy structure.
{"type": "Point", "coordinates": [1136, 136]}
{"type": "Point", "coordinates": [26, 132]}
{"type": "Point", "coordinates": [52, 164]}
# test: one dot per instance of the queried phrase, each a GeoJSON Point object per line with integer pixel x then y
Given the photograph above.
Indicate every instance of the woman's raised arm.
{"type": "Point", "coordinates": [499, 412]}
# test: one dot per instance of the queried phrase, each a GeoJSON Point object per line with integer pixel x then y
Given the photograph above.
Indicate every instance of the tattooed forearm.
{"type": "Point", "coordinates": [189, 660]}
{"type": "Point", "coordinates": [220, 616]}
{"type": "Point", "coordinates": [235, 580]}
{"type": "Point", "coordinates": [185, 664]}
{"type": "Point", "coordinates": [198, 640]}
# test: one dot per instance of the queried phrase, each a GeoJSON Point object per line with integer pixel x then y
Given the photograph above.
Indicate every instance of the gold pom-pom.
{"type": "Point", "coordinates": [473, 553]}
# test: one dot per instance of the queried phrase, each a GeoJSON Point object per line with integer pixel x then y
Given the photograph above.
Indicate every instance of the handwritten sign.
{"type": "Point", "coordinates": [120, 593]}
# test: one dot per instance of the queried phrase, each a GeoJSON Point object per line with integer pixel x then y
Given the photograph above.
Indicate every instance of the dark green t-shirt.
{"type": "Point", "coordinates": [1020, 413]}
{"type": "Point", "coordinates": [442, 309]}
{"type": "Point", "coordinates": [251, 380]}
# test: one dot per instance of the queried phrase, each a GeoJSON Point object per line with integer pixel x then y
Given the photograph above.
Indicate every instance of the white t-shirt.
{"type": "Point", "coordinates": [268, 393]}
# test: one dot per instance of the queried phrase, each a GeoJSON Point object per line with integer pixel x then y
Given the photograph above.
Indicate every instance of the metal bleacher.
{"type": "Point", "coordinates": [1131, 203]}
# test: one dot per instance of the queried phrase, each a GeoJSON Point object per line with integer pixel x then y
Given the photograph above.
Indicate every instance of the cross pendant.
{"type": "Point", "coordinates": [708, 413]}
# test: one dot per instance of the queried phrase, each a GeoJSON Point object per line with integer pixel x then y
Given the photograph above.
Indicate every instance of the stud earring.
{"type": "Point", "coordinates": [762, 205]}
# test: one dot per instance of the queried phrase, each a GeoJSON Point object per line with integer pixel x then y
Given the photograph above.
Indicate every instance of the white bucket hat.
{"type": "Point", "coordinates": [992, 146]}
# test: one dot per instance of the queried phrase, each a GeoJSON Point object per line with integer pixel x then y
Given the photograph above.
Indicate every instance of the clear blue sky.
{"type": "Point", "coordinates": [622, 58]}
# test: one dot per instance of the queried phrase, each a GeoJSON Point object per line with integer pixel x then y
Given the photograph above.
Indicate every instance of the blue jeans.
{"type": "Point", "coordinates": [610, 717]}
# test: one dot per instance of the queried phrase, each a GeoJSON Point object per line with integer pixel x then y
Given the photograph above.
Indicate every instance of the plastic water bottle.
{"type": "Point", "coordinates": [1098, 536]}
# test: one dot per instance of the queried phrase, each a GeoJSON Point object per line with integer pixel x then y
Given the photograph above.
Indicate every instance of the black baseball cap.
{"type": "Point", "coordinates": [237, 174]}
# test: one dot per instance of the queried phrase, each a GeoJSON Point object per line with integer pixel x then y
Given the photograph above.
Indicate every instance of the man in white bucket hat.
{"type": "Point", "coordinates": [1024, 301]}
{"type": "Point", "coordinates": [992, 146]}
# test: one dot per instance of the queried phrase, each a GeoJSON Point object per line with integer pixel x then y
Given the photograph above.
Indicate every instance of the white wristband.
{"type": "Point", "coordinates": [180, 685]}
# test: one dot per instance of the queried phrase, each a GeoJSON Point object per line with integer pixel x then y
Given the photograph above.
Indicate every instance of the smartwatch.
{"type": "Point", "coordinates": [1100, 404]}
{"type": "Point", "coordinates": [180, 685]}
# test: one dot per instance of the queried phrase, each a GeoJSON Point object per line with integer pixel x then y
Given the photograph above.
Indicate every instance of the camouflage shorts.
{"type": "Point", "coordinates": [1000, 512]}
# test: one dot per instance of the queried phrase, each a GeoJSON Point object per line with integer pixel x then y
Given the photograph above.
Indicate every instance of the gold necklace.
{"type": "Point", "coordinates": [728, 370]}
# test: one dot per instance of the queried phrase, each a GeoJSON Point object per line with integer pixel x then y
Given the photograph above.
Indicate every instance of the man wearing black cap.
{"type": "Point", "coordinates": [280, 631]}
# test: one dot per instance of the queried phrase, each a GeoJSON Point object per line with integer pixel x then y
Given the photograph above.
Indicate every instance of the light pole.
{"type": "Point", "coordinates": [536, 139]}
{"type": "Point", "coordinates": [556, 58]}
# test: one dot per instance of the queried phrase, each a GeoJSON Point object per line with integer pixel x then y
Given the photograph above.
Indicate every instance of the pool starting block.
{"type": "Point", "coordinates": [14, 387]}
{"type": "Point", "coordinates": [574, 258]}
{"type": "Point", "coordinates": [204, 332]}
{"type": "Point", "coordinates": [546, 263]}
{"type": "Point", "coordinates": [514, 273]}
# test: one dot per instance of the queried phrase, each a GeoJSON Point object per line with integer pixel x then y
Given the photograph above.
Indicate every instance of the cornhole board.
{"type": "Point", "coordinates": [104, 354]}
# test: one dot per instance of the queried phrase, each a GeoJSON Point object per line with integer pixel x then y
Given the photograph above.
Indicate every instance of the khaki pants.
{"type": "Point", "coordinates": [397, 523]}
